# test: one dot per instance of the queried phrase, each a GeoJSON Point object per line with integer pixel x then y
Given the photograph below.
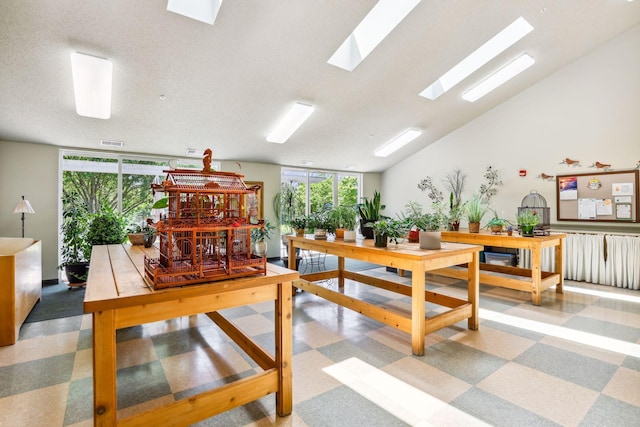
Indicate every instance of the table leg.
{"type": "Point", "coordinates": [559, 265]}
{"type": "Point", "coordinates": [473, 287]}
{"type": "Point", "coordinates": [341, 272]}
{"type": "Point", "coordinates": [417, 309]}
{"type": "Point", "coordinates": [104, 369]}
{"type": "Point", "coordinates": [284, 349]}
{"type": "Point", "coordinates": [536, 274]}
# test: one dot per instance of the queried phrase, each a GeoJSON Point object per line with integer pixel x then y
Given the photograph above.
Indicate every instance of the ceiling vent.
{"type": "Point", "coordinates": [110, 143]}
{"type": "Point", "coordinates": [193, 152]}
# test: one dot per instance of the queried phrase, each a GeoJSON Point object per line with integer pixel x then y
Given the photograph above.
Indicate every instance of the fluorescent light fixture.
{"type": "Point", "coordinates": [485, 53]}
{"type": "Point", "coordinates": [290, 123]}
{"type": "Point", "coordinates": [92, 85]}
{"type": "Point", "coordinates": [378, 23]}
{"type": "Point", "coordinates": [111, 143]}
{"type": "Point", "coordinates": [201, 10]}
{"type": "Point", "coordinates": [194, 152]}
{"type": "Point", "coordinates": [398, 142]}
{"type": "Point", "coordinates": [501, 76]}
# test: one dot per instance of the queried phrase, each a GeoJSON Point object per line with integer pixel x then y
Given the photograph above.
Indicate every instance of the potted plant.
{"type": "Point", "coordinates": [387, 229]}
{"type": "Point", "coordinates": [149, 235]}
{"type": "Point", "coordinates": [259, 235]}
{"type": "Point", "coordinates": [429, 226]}
{"type": "Point", "coordinates": [527, 221]}
{"type": "Point", "coordinates": [344, 219]}
{"type": "Point", "coordinates": [299, 224]}
{"type": "Point", "coordinates": [135, 234]}
{"type": "Point", "coordinates": [369, 211]}
{"type": "Point", "coordinates": [106, 227]}
{"type": "Point", "coordinates": [76, 250]}
{"type": "Point", "coordinates": [475, 211]}
{"type": "Point", "coordinates": [412, 212]}
{"type": "Point", "coordinates": [496, 223]}
{"type": "Point", "coordinates": [321, 223]}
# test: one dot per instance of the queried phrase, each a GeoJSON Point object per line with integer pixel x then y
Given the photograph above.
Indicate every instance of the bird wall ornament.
{"type": "Point", "coordinates": [638, 165]}
{"type": "Point", "coordinates": [569, 162]}
{"type": "Point", "coordinates": [602, 166]}
{"type": "Point", "coordinates": [546, 177]}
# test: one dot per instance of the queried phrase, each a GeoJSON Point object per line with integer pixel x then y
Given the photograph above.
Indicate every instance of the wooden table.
{"type": "Point", "coordinates": [409, 257]}
{"type": "Point", "coordinates": [532, 280]}
{"type": "Point", "coordinates": [119, 297]}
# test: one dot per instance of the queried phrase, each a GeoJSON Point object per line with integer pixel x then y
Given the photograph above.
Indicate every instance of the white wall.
{"type": "Point", "coordinates": [31, 170]}
{"type": "Point", "coordinates": [589, 110]}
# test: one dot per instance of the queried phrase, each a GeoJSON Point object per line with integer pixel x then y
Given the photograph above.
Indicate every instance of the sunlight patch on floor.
{"type": "Point", "coordinates": [400, 399]}
{"type": "Point", "coordinates": [586, 338]}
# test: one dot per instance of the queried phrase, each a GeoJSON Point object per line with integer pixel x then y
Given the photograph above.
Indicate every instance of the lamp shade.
{"type": "Point", "coordinates": [23, 206]}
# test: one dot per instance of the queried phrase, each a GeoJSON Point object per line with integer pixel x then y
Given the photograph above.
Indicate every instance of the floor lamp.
{"type": "Point", "coordinates": [23, 207]}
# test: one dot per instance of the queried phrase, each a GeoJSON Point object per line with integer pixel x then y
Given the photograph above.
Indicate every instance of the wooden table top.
{"type": "Point", "coordinates": [117, 280]}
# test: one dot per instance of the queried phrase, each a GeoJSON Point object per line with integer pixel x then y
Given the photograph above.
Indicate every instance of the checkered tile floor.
{"type": "Point", "coordinates": [573, 361]}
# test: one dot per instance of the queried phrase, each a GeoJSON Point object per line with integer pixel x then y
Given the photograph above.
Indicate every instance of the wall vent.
{"type": "Point", "coordinates": [110, 143]}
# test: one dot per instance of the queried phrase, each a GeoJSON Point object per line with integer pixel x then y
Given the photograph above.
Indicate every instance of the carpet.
{"type": "Point", "coordinates": [58, 300]}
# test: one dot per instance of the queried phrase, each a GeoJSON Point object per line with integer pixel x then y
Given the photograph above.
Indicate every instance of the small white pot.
{"type": "Point", "coordinates": [349, 236]}
{"type": "Point", "coordinates": [430, 239]}
{"type": "Point", "coordinates": [260, 248]}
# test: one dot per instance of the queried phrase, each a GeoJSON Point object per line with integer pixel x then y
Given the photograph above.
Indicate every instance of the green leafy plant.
{"type": "Point", "coordinates": [528, 218]}
{"type": "Point", "coordinates": [392, 228]}
{"type": "Point", "coordinates": [496, 221]}
{"type": "Point", "coordinates": [106, 227]}
{"type": "Point", "coordinates": [321, 220]}
{"type": "Point", "coordinates": [263, 233]}
{"type": "Point", "coordinates": [475, 209]}
{"type": "Point", "coordinates": [343, 217]}
{"type": "Point", "coordinates": [75, 247]}
{"type": "Point", "coordinates": [299, 222]}
{"type": "Point", "coordinates": [369, 209]}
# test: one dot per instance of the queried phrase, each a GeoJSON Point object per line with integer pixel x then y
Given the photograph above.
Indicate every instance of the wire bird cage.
{"type": "Point", "coordinates": [536, 204]}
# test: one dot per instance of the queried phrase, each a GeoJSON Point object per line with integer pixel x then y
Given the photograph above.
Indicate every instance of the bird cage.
{"type": "Point", "coordinates": [536, 204]}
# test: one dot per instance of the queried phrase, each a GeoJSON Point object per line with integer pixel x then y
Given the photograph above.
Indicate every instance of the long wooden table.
{"type": "Point", "coordinates": [409, 257]}
{"type": "Point", "coordinates": [533, 280]}
{"type": "Point", "coordinates": [118, 297]}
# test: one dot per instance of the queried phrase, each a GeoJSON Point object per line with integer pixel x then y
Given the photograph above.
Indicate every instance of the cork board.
{"type": "Point", "coordinates": [598, 197]}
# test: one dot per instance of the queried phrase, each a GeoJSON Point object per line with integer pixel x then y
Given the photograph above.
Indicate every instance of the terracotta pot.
{"type": "Point", "coordinates": [339, 233]}
{"type": "Point", "coordinates": [496, 229]}
{"type": "Point", "coordinates": [414, 236]}
{"type": "Point", "coordinates": [474, 227]}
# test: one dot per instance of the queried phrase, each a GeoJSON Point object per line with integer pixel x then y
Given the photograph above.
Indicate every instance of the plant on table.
{"type": "Point", "coordinates": [475, 211]}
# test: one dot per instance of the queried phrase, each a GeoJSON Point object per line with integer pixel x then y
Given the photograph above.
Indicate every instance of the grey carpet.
{"type": "Point", "coordinates": [57, 301]}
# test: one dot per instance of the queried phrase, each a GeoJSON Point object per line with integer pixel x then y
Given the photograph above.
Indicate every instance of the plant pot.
{"type": "Point", "coordinates": [496, 229]}
{"type": "Point", "coordinates": [320, 234]}
{"type": "Point", "coordinates": [474, 227]}
{"type": "Point", "coordinates": [430, 239]}
{"type": "Point", "coordinates": [454, 226]}
{"type": "Point", "coordinates": [260, 248]}
{"type": "Point", "coordinates": [527, 230]}
{"type": "Point", "coordinates": [367, 232]}
{"type": "Point", "coordinates": [380, 240]}
{"type": "Point", "coordinates": [136, 238]}
{"type": "Point", "coordinates": [149, 240]}
{"type": "Point", "coordinates": [77, 273]}
{"type": "Point", "coordinates": [349, 236]}
{"type": "Point", "coordinates": [413, 236]}
{"type": "Point", "coordinates": [299, 232]}
{"type": "Point", "coordinates": [339, 233]}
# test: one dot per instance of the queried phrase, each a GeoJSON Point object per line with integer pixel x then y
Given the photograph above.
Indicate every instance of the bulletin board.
{"type": "Point", "coordinates": [598, 197]}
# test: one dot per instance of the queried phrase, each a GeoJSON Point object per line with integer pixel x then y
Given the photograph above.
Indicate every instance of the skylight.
{"type": "Point", "coordinates": [500, 77]}
{"type": "Point", "coordinates": [398, 142]}
{"type": "Point", "coordinates": [201, 10]}
{"type": "Point", "coordinates": [377, 25]}
{"type": "Point", "coordinates": [294, 118]}
{"type": "Point", "coordinates": [485, 53]}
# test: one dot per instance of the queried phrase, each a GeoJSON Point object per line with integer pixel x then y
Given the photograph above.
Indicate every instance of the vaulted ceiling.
{"type": "Point", "coordinates": [226, 85]}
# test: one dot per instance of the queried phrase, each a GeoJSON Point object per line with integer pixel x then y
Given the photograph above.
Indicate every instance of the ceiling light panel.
{"type": "Point", "coordinates": [485, 53]}
{"type": "Point", "coordinates": [92, 85]}
{"type": "Point", "coordinates": [294, 118]}
{"type": "Point", "coordinates": [398, 142]}
{"type": "Point", "coordinates": [500, 77]}
{"type": "Point", "coordinates": [378, 23]}
{"type": "Point", "coordinates": [201, 10]}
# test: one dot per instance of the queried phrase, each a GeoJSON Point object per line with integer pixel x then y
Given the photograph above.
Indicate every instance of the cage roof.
{"type": "Point", "coordinates": [215, 182]}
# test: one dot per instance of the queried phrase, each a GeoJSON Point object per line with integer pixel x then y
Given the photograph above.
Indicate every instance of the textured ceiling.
{"type": "Point", "coordinates": [226, 85]}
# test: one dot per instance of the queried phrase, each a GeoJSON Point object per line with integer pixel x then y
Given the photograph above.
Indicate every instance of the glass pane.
{"type": "Point", "coordinates": [93, 179]}
{"type": "Point", "coordinates": [320, 191]}
{"type": "Point", "coordinates": [348, 186]}
{"type": "Point", "coordinates": [293, 195]}
{"type": "Point", "coordinates": [137, 196]}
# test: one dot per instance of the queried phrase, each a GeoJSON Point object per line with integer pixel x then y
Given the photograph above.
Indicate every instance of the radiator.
{"type": "Point", "coordinates": [605, 259]}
